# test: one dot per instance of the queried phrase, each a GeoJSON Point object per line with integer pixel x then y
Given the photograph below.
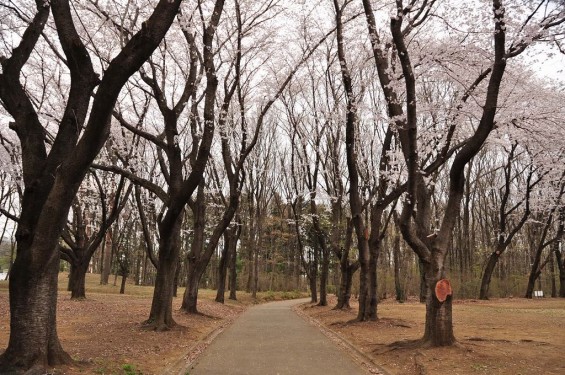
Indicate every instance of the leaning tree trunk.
{"type": "Point", "coordinates": [534, 275]}
{"type": "Point", "coordinates": [487, 274]}
{"type": "Point", "coordinates": [123, 283]}
{"type": "Point", "coordinates": [439, 325]}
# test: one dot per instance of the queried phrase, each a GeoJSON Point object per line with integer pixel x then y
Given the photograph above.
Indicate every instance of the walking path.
{"type": "Point", "coordinates": [272, 339]}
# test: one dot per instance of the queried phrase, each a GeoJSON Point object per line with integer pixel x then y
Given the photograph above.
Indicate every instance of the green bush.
{"type": "Point", "coordinates": [130, 369]}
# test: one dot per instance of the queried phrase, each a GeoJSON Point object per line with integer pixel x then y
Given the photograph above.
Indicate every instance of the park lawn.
{"type": "Point", "coordinates": [104, 333]}
{"type": "Point", "coordinates": [504, 336]}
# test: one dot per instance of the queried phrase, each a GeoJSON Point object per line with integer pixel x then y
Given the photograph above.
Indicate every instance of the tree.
{"type": "Point", "coordinates": [432, 249]}
{"type": "Point", "coordinates": [181, 184]}
{"type": "Point", "coordinates": [352, 149]}
{"type": "Point", "coordinates": [508, 228]}
{"type": "Point", "coordinates": [228, 257]}
{"type": "Point", "coordinates": [52, 175]}
{"type": "Point", "coordinates": [542, 242]}
{"type": "Point", "coordinates": [84, 236]}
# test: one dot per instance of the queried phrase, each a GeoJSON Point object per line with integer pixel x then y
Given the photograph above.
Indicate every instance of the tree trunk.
{"type": "Point", "coordinates": [137, 269]}
{"type": "Point", "coordinates": [439, 325]}
{"type": "Point", "coordinates": [561, 268]}
{"type": "Point", "coordinates": [77, 280]}
{"type": "Point", "coordinates": [161, 316]}
{"type": "Point", "coordinates": [233, 273]}
{"type": "Point", "coordinates": [552, 275]}
{"type": "Point", "coordinates": [324, 278]}
{"type": "Point", "coordinates": [487, 275]}
{"type": "Point", "coordinates": [33, 343]}
{"type": "Point", "coordinates": [255, 288]}
{"type": "Point", "coordinates": [223, 266]}
{"type": "Point", "coordinates": [363, 281]}
{"type": "Point", "coordinates": [534, 275]}
{"type": "Point", "coordinates": [537, 265]}
{"type": "Point", "coordinates": [399, 288]}
{"type": "Point", "coordinates": [423, 289]}
{"type": "Point", "coordinates": [249, 285]}
{"type": "Point", "coordinates": [190, 298]}
{"type": "Point", "coordinates": [106, 259]}
{"type": "Point", "coordinates": [344, 295]}
{"type": "Point", "coordinates": [123, 284]}
{"type": "Point", "coordinates": [313, 287]}
{"type": "Point", "coordinates": [371, 311]}
{"type": "Point", "coordinates": [177, 276]}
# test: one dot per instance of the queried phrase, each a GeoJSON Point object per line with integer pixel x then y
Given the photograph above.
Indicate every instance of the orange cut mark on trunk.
{"type": "Point", "coordinates": [443, 289]}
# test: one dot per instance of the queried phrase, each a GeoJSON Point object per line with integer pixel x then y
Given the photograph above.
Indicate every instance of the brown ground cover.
{"type": "Point", "coordinates": [105, 335]}
{"type": "Point", "coordinates": [503, 336]}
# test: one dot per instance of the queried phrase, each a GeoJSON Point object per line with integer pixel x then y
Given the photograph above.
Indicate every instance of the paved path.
{"type": "Point", "coordinates": [270, 339]}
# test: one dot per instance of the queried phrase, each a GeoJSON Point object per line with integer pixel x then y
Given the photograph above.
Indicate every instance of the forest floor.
{"type": "Point", "coordinates": [501, 336]}
{"type": "Point", "coordinates": [105, 335]}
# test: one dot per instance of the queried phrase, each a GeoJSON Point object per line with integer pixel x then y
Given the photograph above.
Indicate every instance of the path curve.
{"type": "Point", "coordinates": [273, 339]}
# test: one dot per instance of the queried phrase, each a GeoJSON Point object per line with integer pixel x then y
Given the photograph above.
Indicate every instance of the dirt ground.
{"type": "Point", "coordinates": [504, 336]}
{"type": "Point", "coordinates": [104, 333]}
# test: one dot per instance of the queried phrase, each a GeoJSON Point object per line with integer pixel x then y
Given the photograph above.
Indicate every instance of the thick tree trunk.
{"type": "Point", "coordinates": [77, 280]}
{"type": "Point", "coordinates": [190, 298]}
{"type": "Point", "coordinates": [161, 315]}
{"type": "Point", "coordinates": [487, 275]}
{"type": "Point", "coordinates": [33, 344]}
{"type": "Point", "coordinates": [344, 294]}
{"type": "Point", "coordinates": [439, 324]}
